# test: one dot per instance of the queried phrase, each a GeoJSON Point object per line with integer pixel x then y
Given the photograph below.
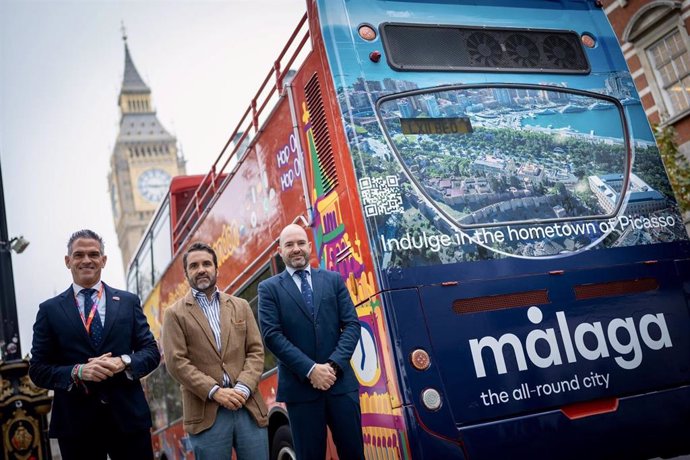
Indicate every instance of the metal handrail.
{"type": "Point", "coordinates": [213, 182]}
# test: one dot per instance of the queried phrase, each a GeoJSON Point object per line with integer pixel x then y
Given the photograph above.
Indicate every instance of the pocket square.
{"type": "Point", "coordinates": [116, 297]}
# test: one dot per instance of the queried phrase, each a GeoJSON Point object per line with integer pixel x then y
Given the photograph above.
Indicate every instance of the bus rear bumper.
{"type": "Point", "coordinates": [651, 425]}
{"type": "Point", "coordinates": [643, 426]}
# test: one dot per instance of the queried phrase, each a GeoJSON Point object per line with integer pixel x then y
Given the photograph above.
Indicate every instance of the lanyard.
{"type": "Point", "coordinates": [92, 313]}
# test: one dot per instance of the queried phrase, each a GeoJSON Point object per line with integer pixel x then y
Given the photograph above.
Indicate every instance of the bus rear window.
{"type": "Point", "coordinates": [488, 156]}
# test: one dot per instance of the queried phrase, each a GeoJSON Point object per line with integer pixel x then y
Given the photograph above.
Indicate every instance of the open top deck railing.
{"type": "Point", "coordinates": [249, 126]}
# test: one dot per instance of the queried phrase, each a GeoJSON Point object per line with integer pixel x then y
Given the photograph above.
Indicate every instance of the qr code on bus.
{"type": "Point", "coordinates": [380, 195]}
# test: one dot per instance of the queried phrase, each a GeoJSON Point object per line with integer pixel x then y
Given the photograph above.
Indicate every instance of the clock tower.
{"type": "Point", "coordinates": [144, 160]}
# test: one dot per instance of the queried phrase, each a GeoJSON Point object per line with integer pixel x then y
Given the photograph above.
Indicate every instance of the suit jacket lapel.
{"type": "Point", "coordinates": [317, 287]}
{"type": "Point", "coordinates": [289, 285]}
{"type": "Point", "coordinates": [112, 310]}
{"type": "Point", "coordinates": [201, 319]}
{"type": "Point", "coordinates": [71, 310]}
{"type": "Point", "coordinates": [225, 319]}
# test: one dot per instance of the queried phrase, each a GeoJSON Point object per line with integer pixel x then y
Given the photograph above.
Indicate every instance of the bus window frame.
{"type": "Point", "coordinates": [161, 224]}
{"type": "Point", "coordinates": [269, 268]}
{"type": "Point", "coordinates": [163, 211]}
{"type": "Point", "coordinates": [159, 374]}
{"type": "Point", "coordinates": [443, 88]}
{"type": "Point", "coordinates": [133, 272]}
{"type": "Point", "coordinates": [147, 238]}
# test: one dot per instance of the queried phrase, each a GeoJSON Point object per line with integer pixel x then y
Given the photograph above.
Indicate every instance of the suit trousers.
{"type": "Point", "coordinates": [232, 429]}
{"type": "Point", "coordinates": [342, 414]}
{"type": "Point", "coordinates": [108, 440]}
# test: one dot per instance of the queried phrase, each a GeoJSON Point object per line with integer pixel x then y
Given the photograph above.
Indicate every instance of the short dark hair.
{"type": "Point", "coordinates": [87, 235]}
{"type": "Point", "coordinates": [198, 246]}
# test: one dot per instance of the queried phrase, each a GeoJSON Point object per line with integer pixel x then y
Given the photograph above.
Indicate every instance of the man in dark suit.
{"type": "Point", "coordinates": [91, 345]}
{"type": "Point", "coordinates": [309, 322]}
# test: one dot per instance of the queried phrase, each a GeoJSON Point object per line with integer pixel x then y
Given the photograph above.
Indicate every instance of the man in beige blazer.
{"type": "Point", "coordinates": [212, 347]}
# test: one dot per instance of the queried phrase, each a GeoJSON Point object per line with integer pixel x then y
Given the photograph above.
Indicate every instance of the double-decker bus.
{"type": "Point", "coordinates": [483, 177]}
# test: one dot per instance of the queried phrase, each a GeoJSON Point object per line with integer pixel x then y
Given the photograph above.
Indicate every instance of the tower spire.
{"type": "Point", "coordinates": [131, 80]}
{"type": "Point", "coordinates": [144, 158]}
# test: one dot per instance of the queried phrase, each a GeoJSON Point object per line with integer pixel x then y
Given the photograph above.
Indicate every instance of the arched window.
{"type": "Point", "coordinates": [660, 39]}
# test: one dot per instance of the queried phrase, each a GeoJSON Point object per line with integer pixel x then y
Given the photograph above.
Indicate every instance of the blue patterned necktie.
{"type": "Point", "coordinates": [307, 293]}
{"type": "Point", "coordinates": [96, 331]}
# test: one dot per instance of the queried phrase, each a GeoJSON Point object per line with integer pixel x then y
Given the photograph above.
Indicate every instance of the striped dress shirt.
{"type": "Point", "coordinates": [211, 309]}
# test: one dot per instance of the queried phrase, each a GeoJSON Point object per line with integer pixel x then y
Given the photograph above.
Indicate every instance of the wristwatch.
{"type": "Point", "coordinates": [127, 360]}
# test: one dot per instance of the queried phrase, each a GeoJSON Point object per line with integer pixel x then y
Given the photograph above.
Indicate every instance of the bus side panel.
{"type": "Point", "coordinates": [172, 443]}
{"type": "Point", "coordinates": [264, 194]}
{"type": "Point", "coordinates": [340, 244]}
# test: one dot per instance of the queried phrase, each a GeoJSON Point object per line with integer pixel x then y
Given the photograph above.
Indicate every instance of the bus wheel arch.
{"type": "Point", "coordinates": [280, 437]}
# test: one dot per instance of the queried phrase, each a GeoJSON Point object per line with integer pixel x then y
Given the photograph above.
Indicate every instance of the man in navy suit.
{"type": "Point", "coordinates": [309, 323]}
{"type": "Point", "coordinates": [91, 345]}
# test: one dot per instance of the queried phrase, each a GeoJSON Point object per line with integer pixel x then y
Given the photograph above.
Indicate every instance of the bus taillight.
{"type": "Point", "coordinates": [431, 399]}
{"type": "Point", "coordinates": [420, 359]}
{"type": "Point", "coordinates": [367, 32]}
{"type": "Point", "coordinates": [589, 408]}
{"type": "Point", "coordinates": [589, 41]}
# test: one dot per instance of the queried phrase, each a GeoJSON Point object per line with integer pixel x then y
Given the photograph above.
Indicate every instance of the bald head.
{"type": "Point", "coordinates": [291, 229]}
{"type": "Point", "coordinates": [295, 247]}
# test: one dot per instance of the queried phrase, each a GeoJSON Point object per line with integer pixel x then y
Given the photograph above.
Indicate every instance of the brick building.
{"type": "Point", "coordinates": [654, 36]}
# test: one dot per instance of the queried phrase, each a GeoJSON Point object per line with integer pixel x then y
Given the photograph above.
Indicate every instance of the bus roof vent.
{"type": "Point", "coordinates": [484, 50]}
{"type": "Point", "coordinates": [522, 51]}
{"type": "Point", "coordinates": [559, 51]}
{"type": "Point", "coordinates": [414, 47]}
{"type": "Point", "coordinates": [327, 175]}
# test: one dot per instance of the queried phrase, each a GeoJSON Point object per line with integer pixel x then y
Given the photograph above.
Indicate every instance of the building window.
{"type": "Point", "coordinates": [671, 61]}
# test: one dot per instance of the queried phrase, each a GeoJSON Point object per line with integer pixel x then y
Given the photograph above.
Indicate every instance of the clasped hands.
{"type": "Point", "coordinates": [322, 377]}
{"type": "Point", "coordinates": [102, 367]}
{"type": "Point", "coordinates": [229, 398]}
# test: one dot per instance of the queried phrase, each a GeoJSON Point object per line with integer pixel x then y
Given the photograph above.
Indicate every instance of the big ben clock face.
{"type": "Point", "coordinates": [153, 184]}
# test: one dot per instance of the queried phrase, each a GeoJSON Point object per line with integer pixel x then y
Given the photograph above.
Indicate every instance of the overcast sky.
{"type": "Point", "coordinates": [61, 66]}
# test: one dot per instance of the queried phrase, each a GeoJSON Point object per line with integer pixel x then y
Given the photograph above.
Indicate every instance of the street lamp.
{"type": "Point", "coordinates": [23, 406]}
{"type": "Point", "coordinates": [10, 347]}
{"type": "Point", "coordinates": [17, 244]}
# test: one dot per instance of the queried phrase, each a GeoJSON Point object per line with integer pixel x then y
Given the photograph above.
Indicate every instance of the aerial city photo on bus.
{"type": "Point", "coordinates": [484, 179]}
